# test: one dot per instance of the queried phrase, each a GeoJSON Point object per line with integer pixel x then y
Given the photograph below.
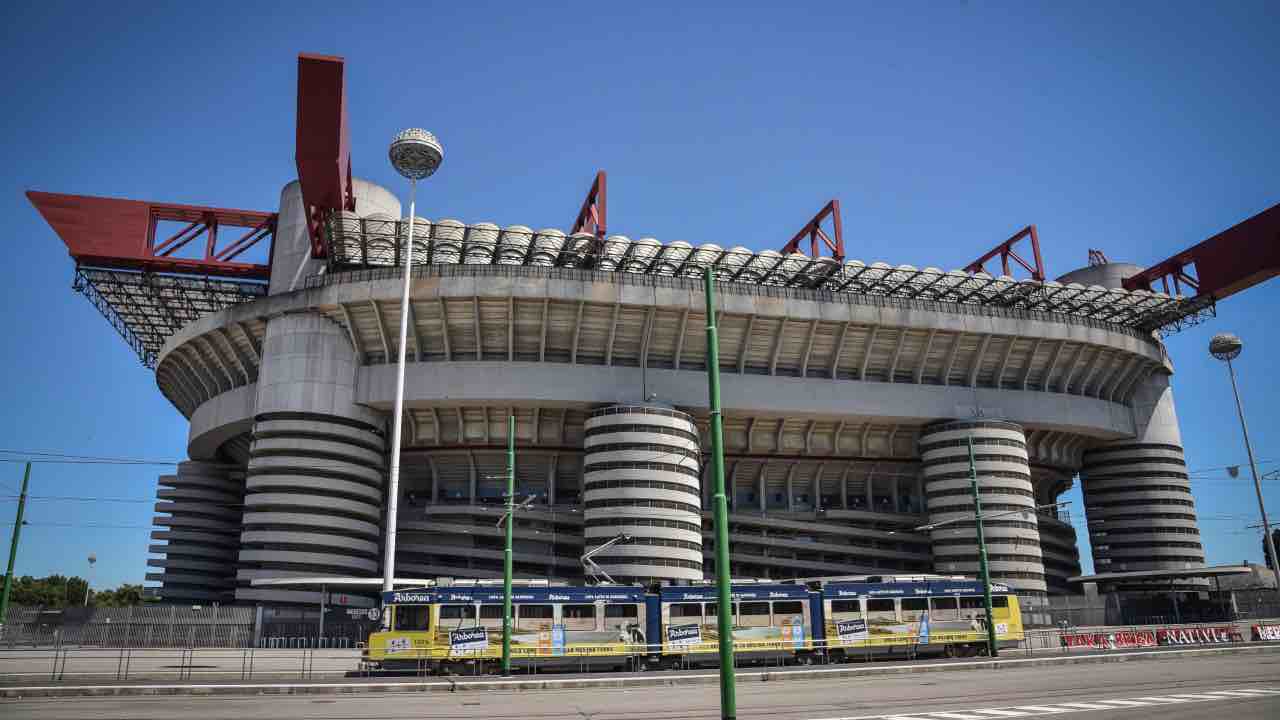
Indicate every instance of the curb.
{"type": "Point", "coordinates": [629, 681]}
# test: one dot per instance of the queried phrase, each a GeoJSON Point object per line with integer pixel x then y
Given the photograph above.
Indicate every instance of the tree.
{"type": "Point", "coordinates": [124, 596]}
{"type": "Point", "coordinates": [55, 591]}
{"type": "Point", "coordinates": [58, 591]}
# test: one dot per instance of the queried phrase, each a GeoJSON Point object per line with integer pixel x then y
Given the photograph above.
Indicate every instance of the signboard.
{"type": "Point", "coordinates": [924, 629]}
{"type": "Point", "coordinates": [1266, 632]}
{"type": "Point", "coordinates": [485, 594]}
{"type": "Point", "coordinates": [1197, 636]}
{"type": "Point", "coordinates": [794, 634]}
{"type": "Point", "coordinates": [1123, 639]}
{"type": "Point", "coordinates": [399, 644]}
{"type": "Point", "coordinates": [851, 630]}
{"type": "Point", "coordinates": [684, 634]}
{"type": "Point", "coordinates": [468, 639]}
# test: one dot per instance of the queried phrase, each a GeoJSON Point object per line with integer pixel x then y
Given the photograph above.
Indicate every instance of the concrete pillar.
{"type": "Point", "coordinates": [291, 261]}
{"type": "Point", "coordinates": [642, 479]}
{"type": "Point", "coordinates": [201, 510]}
{"type": "Point", "coordinates": [1004, 484]}
{"type": "Point", "coordinates": [316, 473]}
{"type": "Point", "coordinates": [1137, 493]}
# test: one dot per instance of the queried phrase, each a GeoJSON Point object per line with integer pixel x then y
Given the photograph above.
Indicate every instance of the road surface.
{"type": "Point", "coordinates": [1238, 687]}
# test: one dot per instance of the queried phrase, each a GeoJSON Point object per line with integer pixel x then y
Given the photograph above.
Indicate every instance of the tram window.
{"type": "Point", "coordinates": [881, 609]}
{"type": "Point", "coordinates": [753, 614]}
{"type": "Point", "coordinates": [491, 612]}
{"type": "Point", "coordinates": [1000, 601]}
{"type": "Point", "coordinates": [413, 617]}
{"type": "Point", "coordinates": [616, 616]}
{"type": "Point", "coordinates": [845, 610]}
{"type": "Point", "coordinates": [788, 613]}
{"type": "Point", "coordinates": [943, 608]}
{"type": "Point", "coordinates": [457, 615]}
{"type": "Point", "coordinates": [535, 617]}
{"type": "Point", "coordinates": [973, 603]}
{"type": "Point", "coordinates": [913, 608]}
{"type": "Point", "coordinates": [579, 617]}
{"type": "Point", "coordinates": [686, 611]}
{"type": "Point", "coordinates": [710, 609]}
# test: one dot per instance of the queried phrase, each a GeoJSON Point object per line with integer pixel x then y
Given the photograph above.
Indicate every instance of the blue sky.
{"type": "Point", "coordinates": [942, 128]}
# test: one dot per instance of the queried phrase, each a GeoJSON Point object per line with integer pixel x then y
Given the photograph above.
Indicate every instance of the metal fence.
{"type": "Point", "coordinates": [98, 664]}
{"type": "Point", "coordinates": [131, 627]}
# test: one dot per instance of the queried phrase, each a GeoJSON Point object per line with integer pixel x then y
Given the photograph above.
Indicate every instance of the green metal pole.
{"type": "Point", "coordinates": [506, 556]}
{"type": "Point", "coordinates": [13, 547]}
{"type": "Point", "coordinates": [724, 611]}
{"type": "Point", "coordinates": [983, 568]}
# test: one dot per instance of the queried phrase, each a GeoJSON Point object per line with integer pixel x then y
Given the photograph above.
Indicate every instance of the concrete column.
{"type": "Point", "coordinates": [658, 502]}
{"type": "Point", "coordinates": [472, 479]}
{"type": "Point", "coordinates": [201, 512]}
{"type": "Point", "coordinates": [316, 473]}
{"type": "Point", "coordinates": [1004, 484]}
{"type": "Point", "coordinates": [551, 479]}
{"type": "Point", "coordinates": [762, 486]}
{"type": "Point", "coordinates": [1137, 493]}
{"type": "Point", "coordinates": [791, 471]}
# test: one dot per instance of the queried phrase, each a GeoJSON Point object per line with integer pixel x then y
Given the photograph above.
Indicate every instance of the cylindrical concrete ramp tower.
{"type": "Point", "coordinates": [201, 507]}
{"type": "Point", "coordinates": [314, 486]}
{"type": "Point", "coordinates": [1004, 484]}
{"type": "Point", "coordinates": [1137, 494]}
{"type": "Point", "coordinates": [641, 478]}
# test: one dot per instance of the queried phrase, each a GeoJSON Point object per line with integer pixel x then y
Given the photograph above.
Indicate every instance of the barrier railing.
{"type": "Point", "coordinates": [99, 665]}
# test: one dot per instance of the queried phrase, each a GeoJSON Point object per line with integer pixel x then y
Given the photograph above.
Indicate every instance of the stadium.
{"type": "Point", "coordinates": [850, 390]}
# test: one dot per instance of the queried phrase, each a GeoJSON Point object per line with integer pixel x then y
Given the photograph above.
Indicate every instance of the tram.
{"type": "Point", "coordinates": [448, 627]}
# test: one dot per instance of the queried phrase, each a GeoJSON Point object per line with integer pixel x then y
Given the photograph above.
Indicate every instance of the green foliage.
{"type": "Point", "coordinates": [58, 591]}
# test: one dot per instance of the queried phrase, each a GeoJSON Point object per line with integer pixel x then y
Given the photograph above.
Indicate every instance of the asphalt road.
{"type": "Point", "coordinates": [1243, 687]}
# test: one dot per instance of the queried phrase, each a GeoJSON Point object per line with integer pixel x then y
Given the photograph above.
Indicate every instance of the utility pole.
{"type": "Point", "coordinates": [724, 610]}
{"type": "Point", "coordinates": [506, 556]}
{"type": "Point", "coordinates": [13, 547]}
{"type": "Point", "coordinates": [983, 567]}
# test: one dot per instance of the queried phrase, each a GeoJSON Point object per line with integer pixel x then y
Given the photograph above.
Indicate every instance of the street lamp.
{"type": "Point", "coordinates": [92, 559]}
{"type": "Point", "coordinates": [415, 154]}
{"type": "Point", "coordinates": [1227, 347]}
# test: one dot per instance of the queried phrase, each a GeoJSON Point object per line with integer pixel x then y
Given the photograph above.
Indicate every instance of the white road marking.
{"type": "Point", "coordinates": [1072, 707]}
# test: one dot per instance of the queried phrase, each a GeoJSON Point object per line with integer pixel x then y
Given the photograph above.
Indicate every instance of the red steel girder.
{"type": "Point", "coordinates": [1233, 260]}
{"type": "Point", "coordinates": [323, 150]}
{"type": "Point", "coordinates": [814, 233]}
{"type": "Point", "coordinates": [121, 234]}
{"type": "Point", "coordinates": [1006, 252]}
{"type": "Point", "coordinates": [593, 217]}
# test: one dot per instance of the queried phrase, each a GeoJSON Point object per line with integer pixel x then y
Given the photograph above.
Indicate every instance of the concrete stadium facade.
{"type": "Point", "coordinates": [845, 415]}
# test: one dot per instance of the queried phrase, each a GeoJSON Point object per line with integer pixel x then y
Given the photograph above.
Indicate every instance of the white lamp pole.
{"type": "Point", "coordinates": [1227, 347]}
{"type": "Point", "coordinates": [415, 154]}
{"type": "Point", "coordinates": [92, 559]}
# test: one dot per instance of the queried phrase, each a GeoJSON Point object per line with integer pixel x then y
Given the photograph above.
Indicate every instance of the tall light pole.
{"type": "Point", "coordinates": [1227, 347]}
{"type": "Point", "coordinates": [13, 547]}
{"type": "Point", "coordinates": [506, 554]}
{"type": "Point", "coordinates": [724, 607]}
{"type": "Point", "coordinates": [415, 154]}
{"type": "Point", "coordinates": [92, 559]}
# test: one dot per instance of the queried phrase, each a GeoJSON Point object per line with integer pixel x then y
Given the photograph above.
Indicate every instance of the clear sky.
{"type": "Point", "coordinates": [943, 127]}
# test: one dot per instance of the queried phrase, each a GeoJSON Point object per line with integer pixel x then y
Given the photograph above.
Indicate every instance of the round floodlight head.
{"type": "Point", "coordinates": [92, 558]}
{"type": "Point", "coordinates": [1225, 346]}
{"type": "Point", "coordinates": [415, 153]}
